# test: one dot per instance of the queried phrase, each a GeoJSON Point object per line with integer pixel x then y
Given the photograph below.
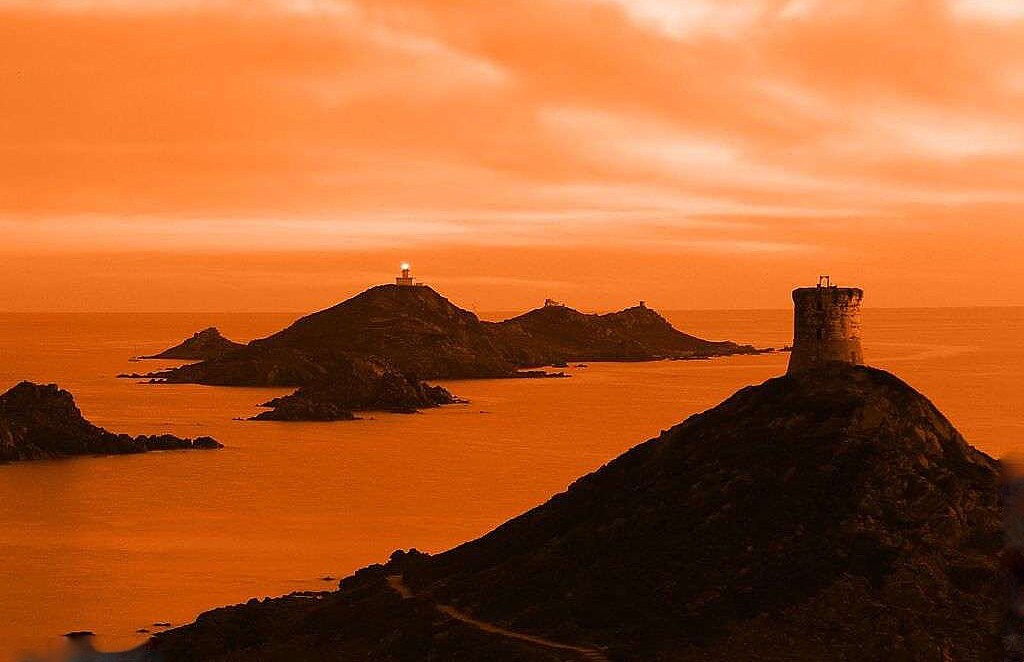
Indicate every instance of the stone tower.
{"type": "Point", "coordinates": [826, 326]}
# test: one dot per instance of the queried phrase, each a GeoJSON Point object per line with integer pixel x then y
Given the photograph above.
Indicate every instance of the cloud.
{"type": "Point", "coordinates": [991, 10]}
{"type": "Point", "coordinates": [644, 125]}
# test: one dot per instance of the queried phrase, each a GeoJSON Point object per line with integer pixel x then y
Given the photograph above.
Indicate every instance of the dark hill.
{"type": "Point", "coordinates": [415, 329]}
{"type": "Point", "coordinates": [41, 421]}
{"type": "Point", "coordinates": [555, 334]}
{"type": "Point", "coordinates": [205, 344]}
{"type": "Point", "coordinates": [830, 516]}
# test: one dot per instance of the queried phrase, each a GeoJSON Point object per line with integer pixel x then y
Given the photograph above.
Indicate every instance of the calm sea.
{"type": "Point", "coordinates": [115, 544]}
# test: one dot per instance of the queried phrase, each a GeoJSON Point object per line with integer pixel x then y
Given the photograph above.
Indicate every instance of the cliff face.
{"type": "Point", "coordinates": [557, 333]}
{"type": "Point", "coordinates": [831, 515]}
{"type": "Point", "coordinates": [205, 344]}
{"type": "Point", "coordinates": [42, 421]}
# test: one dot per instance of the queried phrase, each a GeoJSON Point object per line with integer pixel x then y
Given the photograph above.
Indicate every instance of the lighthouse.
{"type": "Point", "coordinates": [826, 326]}
{"type": "Point", "coordinates": [405, 279]}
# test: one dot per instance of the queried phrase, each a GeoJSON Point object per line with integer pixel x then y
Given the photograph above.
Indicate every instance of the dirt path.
{"type": "Point", "coordinates": [395, 581]}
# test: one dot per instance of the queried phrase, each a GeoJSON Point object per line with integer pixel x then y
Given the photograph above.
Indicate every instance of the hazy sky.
{"type": "Point", "coordinates": [284, 154]}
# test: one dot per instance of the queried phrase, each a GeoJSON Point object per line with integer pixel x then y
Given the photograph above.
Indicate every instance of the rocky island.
{"type": "Point", "coordinates": [557, 334]}
{"type": "Point", "coordinates": [356, 385]}
{"type": "Point", "coordinates": [205, 344]}
{"type": "Point", "coordinates": [40, 421]}
{"type": "Point", "coordinates": [832, 513]}
{"type": "Point", "coordinates": [375, 350]}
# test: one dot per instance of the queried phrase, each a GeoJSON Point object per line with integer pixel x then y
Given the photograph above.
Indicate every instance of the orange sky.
{"type": "Point", "coordinates": [283, 154]}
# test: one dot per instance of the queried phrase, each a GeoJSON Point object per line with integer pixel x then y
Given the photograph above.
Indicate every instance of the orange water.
{"type": "Point", "coordinates": [113, 544]}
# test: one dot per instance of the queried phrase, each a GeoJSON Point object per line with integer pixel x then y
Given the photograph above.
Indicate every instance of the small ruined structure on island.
{"type": "Point", "coordinates": [551, 303]}
{"type": "Point", "coordinates": [826, 327]}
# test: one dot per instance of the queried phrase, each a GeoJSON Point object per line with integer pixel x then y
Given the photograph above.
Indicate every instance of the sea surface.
{"type": "Point", "coordinates": [115, 544]}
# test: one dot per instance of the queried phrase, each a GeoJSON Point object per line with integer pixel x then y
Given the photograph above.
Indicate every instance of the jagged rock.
{"type": "Point", "coordinates": [80, 634]}
{"type": "Point", "coordinates": [206, 443]}
{"type": "Point", "coordinates": [356, 385]}
{"type": "Point", "coordinates": [831, 515]}
{"type": "Point", "coordinates": [42, 421]}
{"type": "Point", "coordinates": [205, 344]}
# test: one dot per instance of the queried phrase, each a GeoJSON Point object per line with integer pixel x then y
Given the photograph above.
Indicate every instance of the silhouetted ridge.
{"type": "Point", "coordinates": [415, 328]}
{"type": "Point", "coordinates": [832, 515]}
{"type": "Point", "coordinates": [558, 333]}
{"type": "Point", "coordinates": [42, 421]}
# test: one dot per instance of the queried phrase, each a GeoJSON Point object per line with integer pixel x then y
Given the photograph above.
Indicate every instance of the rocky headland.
{"type": "Point", "coordinates": [203, 345]}
{"type": "Point", "coordinates": [374, 351]}
{"type": "Point", "coordinates": [40, 421]}
{"type": "Point", "coordinates": [833, 514]}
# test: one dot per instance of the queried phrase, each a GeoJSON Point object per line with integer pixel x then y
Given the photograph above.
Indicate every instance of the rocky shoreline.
{"type": "Point", "coordinates": [41, 421]}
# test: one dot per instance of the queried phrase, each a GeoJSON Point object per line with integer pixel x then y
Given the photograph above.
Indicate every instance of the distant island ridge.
{"type": "Point", "coordinates": [831, 513]}
{"type": "Point", "coordinates": [375, 350]}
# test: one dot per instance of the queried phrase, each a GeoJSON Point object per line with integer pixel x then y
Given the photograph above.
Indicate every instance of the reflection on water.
{"type": "Point", "coordinates": [117, 544]}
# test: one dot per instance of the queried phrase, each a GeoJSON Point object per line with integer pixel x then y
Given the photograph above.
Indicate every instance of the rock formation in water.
{"type": "Point", "coordinates": [356, 385]}
{"type": "Point", "coordinates": [832, 514]}
{"type": "Point", "coordinates": [420, 334]}
{"type": "Point", "coordinates": [205, 344]}
{"type": "Point", "coordinates": [42, 421]}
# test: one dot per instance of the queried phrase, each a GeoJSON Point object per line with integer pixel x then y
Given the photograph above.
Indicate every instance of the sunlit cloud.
{"type": "Point", "coordinates": [791, 131]}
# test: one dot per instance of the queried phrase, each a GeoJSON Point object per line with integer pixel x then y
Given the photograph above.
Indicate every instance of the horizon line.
{"type": "Point", "coordinates": [496, 310]}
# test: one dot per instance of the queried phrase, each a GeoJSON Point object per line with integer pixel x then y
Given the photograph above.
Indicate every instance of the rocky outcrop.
{"type": "Point", "coordinates": [829, 515]}
{"type": "Point", "coordinates": [359, 385]}
{"type": "Point", "coordinates": [42, 421]}
{"type": "Point", "coordinates": [205, 344]}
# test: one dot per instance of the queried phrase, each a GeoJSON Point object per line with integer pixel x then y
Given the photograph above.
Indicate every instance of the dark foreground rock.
{"type": "Point", "coordinates": [42, 421]}
{"type": "Point", "coordinates": [827, 516]}
{"type": "Point", "coordinates": [205, 344]}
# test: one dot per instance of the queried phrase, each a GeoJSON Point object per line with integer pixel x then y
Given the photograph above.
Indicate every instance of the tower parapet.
{"type": "Point", "coordinates": [826, 327]}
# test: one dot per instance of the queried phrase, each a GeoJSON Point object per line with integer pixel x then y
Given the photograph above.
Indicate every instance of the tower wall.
{"type": "Point", "coordinates": [826, 327]}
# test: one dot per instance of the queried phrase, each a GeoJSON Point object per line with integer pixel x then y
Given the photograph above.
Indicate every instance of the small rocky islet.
{"type": "Point", "coordinates": [41, 421]}
{"type": "Point", "coordinates": [375, 351]}
{"type": "Point", "coordinates": [203, 345]}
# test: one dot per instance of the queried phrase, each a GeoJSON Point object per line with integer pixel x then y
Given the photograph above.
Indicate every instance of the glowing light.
{"type": "Point", "coordinates": [405, 266]}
